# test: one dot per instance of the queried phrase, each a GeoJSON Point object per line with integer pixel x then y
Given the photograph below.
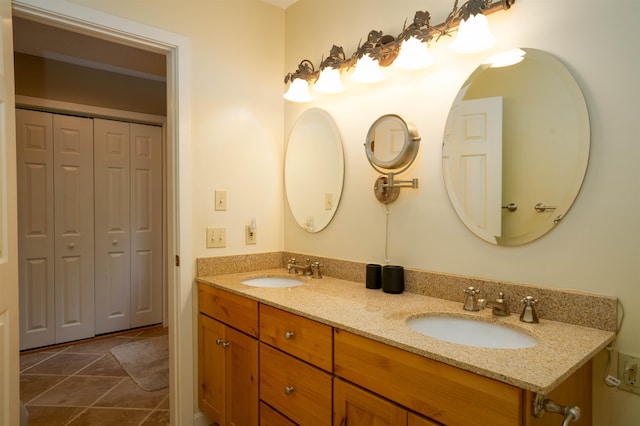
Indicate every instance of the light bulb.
{"type": "Point", "coordinates": [329, 81]}
{"type": "Point", "coordinates": [367, 70]}
{"type": "Point", "coordinates": [414, 54]}
{"type": "Point", "coordinates": [473, 35]}
{"type": "Point", "coordinates": [298, 91]}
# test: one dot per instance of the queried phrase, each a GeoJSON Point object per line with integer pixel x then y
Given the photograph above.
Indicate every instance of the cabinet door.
{"type": "Point", "coordinates": [270, 417]}
{"type": "Point", "coordinates": [112, 212]}
{"type": "Point", "coordinates": [211, 364]}
{"type": "Point", "coordinates": [34, 146]}
{"type": "Point", "coordinates": [356, 407]}
{"type": "Point", "coordinates": [146, 225]}
{"type": "Point", "coordinates": [227, 373]}
{"type": "Point", "coordinates": [241, 378]}
{"type": "Point", "coordinates": [73, 218]}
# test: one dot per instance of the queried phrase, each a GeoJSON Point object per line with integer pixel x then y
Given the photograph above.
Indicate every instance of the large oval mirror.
{"type": "Point", "coordinates": [516, 147]}
{"type": "Point", "coordinates": [314, 169]}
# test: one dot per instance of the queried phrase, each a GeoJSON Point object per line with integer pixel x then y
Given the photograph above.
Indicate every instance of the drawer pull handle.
{"type": "Point", "coordinates": [221, 342]}
{"type": "Point", "coordinates": [289, 390]}
{"type": "Point", "coordinates": [288, 335]}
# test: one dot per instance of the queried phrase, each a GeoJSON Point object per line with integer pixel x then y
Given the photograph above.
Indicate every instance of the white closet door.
{"type": "Point", "coordinates": [146, 225]}
{"type": "Point", "coordinates": [74, 272]}
{"type": "Point", "coordinates": [34, 141]}
{"type": "Point", "coordinates": [112, 233]}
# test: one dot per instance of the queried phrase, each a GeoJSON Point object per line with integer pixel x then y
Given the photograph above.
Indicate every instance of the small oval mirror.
{"type": "Point", "coordinates": [516, 147]}
{"type": "Point", "coordinates": [392, 143]}
{"type": "Point", "coordinates": [314, 169]}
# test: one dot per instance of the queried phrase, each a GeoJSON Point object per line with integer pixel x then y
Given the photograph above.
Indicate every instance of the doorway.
{"type": "Point", "coordinates": [175, 48]}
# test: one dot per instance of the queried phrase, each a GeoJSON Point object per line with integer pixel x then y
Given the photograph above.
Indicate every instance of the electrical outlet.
{"type": "Point", "coordinates": [221, 200]}
{"type": "Point", "coordinates": [629, 373]}
{"type": "Point", "coordinates": [216, 237]}
{"type": "Point", "coordinates": [250, 237]}
{"type": "Point", "coordinates": [328, 201]}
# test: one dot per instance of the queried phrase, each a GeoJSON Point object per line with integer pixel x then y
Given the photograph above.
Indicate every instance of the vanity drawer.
{"type": "Point", "coordinates": [294, 388]}
{"type": "Point", "coordinates": [236, 311]}
{"type": "Point", "coordinates": [439, 391]}
{"type": "Point", "coordinates": [301, 337]}
{"type": "Point", "coordinates": [270, 417]}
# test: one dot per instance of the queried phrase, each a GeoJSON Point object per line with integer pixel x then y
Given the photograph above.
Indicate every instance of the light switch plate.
{"type": "Point", "coordinates": [221, 200]}
{"type": "Point", "coordinates": [216, 237]}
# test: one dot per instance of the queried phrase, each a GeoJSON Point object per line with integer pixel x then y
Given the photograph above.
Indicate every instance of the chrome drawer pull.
{"type": "Point", "coordinates": [221, 342]}
{"type": "Point", "coordinates": [288, 390]}
{"type": "Point", "coordinates": [288, 335]}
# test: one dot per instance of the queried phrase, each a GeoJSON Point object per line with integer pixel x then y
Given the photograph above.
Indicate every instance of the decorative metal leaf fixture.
{"type": "Point", "coordinates": [384, 49]}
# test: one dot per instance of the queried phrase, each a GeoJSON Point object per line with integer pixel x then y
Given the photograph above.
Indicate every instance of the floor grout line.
{"type": "Point", "coordinates": [95, 354]}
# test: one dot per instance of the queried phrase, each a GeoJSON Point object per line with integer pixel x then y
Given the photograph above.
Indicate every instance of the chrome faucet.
{"type": "Point", "coordinates": [529, 313]}
{"type": "Point", "coordinates": [315, 270]}
{"type": "Point", "coordinates": [310, 269]}
{"type": "Point", "coordinates": [292, 266]}
{"type": "Point", "coordinates": [499, 307]}
{"type": "Point", "coordinates": [471, 304]}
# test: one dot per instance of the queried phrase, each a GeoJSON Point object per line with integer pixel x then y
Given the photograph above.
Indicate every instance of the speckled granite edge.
{"type": "Point", "coordinates": [208, 266]}
{"type": "Point", "coordinates": [567, 306]}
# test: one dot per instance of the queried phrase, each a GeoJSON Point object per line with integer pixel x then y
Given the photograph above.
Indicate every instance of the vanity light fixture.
{"type": "Point", "coordinates": [409, 49]}
{"type": "Point", "coordinates": [329, 80]}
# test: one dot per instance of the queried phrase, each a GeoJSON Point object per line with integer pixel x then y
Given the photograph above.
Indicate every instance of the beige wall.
{"type": "Point", "coordinates": [236, 111]}
{"type": "Point", "coordinates": [594, 249]}
{"type": "Point", "coordinates": [238, 132]}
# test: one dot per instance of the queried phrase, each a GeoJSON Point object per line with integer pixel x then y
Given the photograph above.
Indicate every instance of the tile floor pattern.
{"type": "Point", "coordinates": [83, 384]}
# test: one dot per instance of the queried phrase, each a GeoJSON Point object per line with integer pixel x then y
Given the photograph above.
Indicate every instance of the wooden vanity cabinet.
{"type": "Point", "coordinates": [355, 406]}
{"type": "Point", "coordinates": [227, 357]}
{"type": "Point", "coordinates": [312, 374]}
{"type": "Point", "coordinates": [438, 391]}
{"type": "Point", "coordinates": [296, 360]}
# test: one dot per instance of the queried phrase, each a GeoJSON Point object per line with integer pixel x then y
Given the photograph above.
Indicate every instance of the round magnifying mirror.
{"type": "Point", "coordinates": [392, 143]}
{"type": "Point", "coordinates": [516, 147]}
{"type": "Point", "coordinates": [314, 169]}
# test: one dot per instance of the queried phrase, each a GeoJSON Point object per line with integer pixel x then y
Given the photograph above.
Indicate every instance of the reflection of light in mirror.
{"type": "Point", "coordinates": [473, 35]}
{"type": "Point", "coordinates": [504, 59]}
{"type": "Point", "coordinates": [367, 71]}
{"type": "Point", "coordinates": [414, 55]}
{"type": "Point", "coordinates": [329, 81]}
{"type": "Point", "coordinates": [308, 224]}
{"type": "Point", "coordinates": [298, 91]}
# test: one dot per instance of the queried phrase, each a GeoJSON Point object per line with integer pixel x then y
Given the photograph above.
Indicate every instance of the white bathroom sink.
{"type": "Point", "coordinates": [472, 332]}
{"type": "Point", "coordinates": [273, 282]}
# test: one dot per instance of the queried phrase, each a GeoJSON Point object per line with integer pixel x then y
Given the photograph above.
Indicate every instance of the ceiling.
{"type": "Point", "coordinates": [281, 3]}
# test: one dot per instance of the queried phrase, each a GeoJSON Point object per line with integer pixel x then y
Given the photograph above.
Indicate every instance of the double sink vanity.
{"type": "Point", "coordinates": [288, 349]}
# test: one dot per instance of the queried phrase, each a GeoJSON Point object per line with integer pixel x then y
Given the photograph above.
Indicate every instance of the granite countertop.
{"type": "Point", "coordinates": [561, 349]}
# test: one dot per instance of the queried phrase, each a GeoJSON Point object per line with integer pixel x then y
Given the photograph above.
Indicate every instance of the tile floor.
{"type": "Point", "coordinates": [83, 384]}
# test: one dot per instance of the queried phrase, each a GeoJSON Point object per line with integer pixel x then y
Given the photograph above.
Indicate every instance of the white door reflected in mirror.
{"type": "Point", "coordinates": [545, 148]}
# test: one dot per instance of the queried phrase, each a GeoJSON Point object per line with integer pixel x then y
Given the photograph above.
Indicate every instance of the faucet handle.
{"type": "Point", "coordinates": [471, 291]}
{"type": "Point", "coordinates": [315, 270]}
{"type": "Point", "coordinates": [529, 313]}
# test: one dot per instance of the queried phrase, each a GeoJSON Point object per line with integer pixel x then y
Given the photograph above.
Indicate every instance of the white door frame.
{"type": "Point", "coordinates": [179, 280]}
